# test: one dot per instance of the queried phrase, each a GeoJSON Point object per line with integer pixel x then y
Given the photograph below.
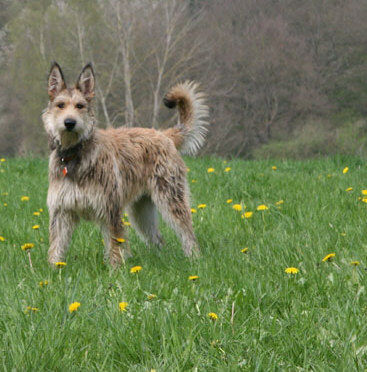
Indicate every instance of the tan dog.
{"type": "Point", "coordinates": [96, 174]}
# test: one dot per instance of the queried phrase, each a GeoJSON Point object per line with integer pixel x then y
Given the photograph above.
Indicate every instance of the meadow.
{"type": "Point", "coordinates": [265, 317]}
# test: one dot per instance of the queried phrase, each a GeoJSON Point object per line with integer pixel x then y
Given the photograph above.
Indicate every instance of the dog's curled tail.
{"type": "Point", "coordinates": [189, 133]}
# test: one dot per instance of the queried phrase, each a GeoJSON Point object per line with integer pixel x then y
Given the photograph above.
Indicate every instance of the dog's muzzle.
{"type": "Point", "coordinates": [69, 124]}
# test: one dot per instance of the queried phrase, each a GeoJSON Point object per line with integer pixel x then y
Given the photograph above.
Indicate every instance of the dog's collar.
{"type": "Point", "coordinates": [67, 156]}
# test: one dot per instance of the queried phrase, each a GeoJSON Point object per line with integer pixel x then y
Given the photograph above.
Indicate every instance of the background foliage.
{"type": "Point", "coordinates": [284, 78]}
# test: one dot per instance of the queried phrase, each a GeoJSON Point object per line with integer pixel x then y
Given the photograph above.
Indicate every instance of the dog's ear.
{"type": "Point", "coordinates": [56, 81]}
{"type": "Point", "coordinates": [85, 81]}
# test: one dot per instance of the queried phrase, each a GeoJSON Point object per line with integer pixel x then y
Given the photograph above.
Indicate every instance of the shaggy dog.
{"type": "Point", "coordinates": [97, 174]}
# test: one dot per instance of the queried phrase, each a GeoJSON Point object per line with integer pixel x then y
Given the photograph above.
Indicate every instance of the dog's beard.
{"type": "Point", "coordinates": [68, 139]}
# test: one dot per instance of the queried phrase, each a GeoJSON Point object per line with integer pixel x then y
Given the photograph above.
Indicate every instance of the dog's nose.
{"type": "Point", "coordinates": [69, 123]}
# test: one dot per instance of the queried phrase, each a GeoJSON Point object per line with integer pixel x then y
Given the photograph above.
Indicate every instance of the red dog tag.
{"type": "Point", "coordinates": [64, 171]}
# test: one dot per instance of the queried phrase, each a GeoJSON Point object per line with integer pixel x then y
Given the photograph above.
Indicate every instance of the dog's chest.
{"type": "Point", "coordinates": [88, 202]}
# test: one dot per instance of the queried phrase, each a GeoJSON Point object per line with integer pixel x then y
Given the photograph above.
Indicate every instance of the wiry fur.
{"type": "Point", "coordinates": [111, 170]}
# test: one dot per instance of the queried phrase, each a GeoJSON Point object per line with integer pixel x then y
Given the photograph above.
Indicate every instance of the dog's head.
{"type": "Point", "coordinates": [69, 117]}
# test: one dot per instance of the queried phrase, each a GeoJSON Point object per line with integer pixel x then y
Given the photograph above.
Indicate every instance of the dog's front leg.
{"type": "Point", "coordinates": [61, 228]}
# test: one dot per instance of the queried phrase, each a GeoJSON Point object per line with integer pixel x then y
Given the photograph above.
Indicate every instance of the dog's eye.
{"type": "Point", "coordinates": [61, 105]}
{"type": "Point", "coordinates": [79, 106]}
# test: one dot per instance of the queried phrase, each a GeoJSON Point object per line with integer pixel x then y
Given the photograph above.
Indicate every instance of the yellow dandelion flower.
{"type": "Point", "coordinates": [30, 308]}
{"type": "Point", "coordinates": [291, 270]}
{"type": "Point", "coordinates": [60, 264]}
{"type": "Point", "coordinates": [127, 223]}
{"type": "Point", "coordinates": [5, 194]}
{"type": "Point", "coordinates": [24, 198]}
{"type": "Point", "coordinates": [211, 170]}
{"type": "Point", "coordinates": [74, 306]}
{"type": "Point", "coordinates": [5, 204]}
{"type": "Point", "coordinates": [237, 207]}
{"type": "Point", "coordinates": [364, 192]}
{"type": "Point", "coordinates": [123, 306]}
{"type": "Point", "coordinates": [43, 283]}
{"type": "Point", "coordinates": [213, 316]}
{"type": "Point", "coordinates": [2, 239]}
{"type": "Point", "coordinates": [151, 296]}
{"type": "Point", "coordinates": [355, 263]}
{"type": "Point", "coordinates": [193, 277]}
{"type": "Point", "coordinates": [228, 169]}
{"type": "Point", "coordinates": [202, 206]}
{"type": "Point", "coordinates": [35, 227]}
{"type": "Point", "coordinates": [247, 215]}
{"type": "Point", "coordinates": [229, 201]}
{"type": "Point", "coordinates": [135, 269]}
{"type": "Point", "coordinates": [345, 170]}
{"type": "Point", "coordinates": [187, 170]}
{"type": "Point", "coordinates": [349, 189]}
{"type": "Point", "coordinates": [262, 207]}
{"type": "Point", "coordinates": [2, 160]}
{"type": "Point", "coordinates": [40, 210]}
{"type": "Point", "coordinates": [194, 181]}
{"type": "Point", "coordinates": [36, 213]}
{"type": "Point", "coordinates": [364, 200]}
{"type": "Point", "coordinates": [27, 246]}
{"type": "Point", "coordinates": [279, 202]}
{"type": "Point", "coordinates": [193, 210]}
{"type": "Point", "coordinates": [244, 250]}
{"type": "Point", "coordinates": [274, 167]}
{"type": "Point", "coordinates": [328, 257]}
{"type": "Point", "coordinates": [120, 240]}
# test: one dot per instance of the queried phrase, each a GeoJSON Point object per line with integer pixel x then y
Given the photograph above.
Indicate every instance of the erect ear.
{"type": "Point", "coordinates": [85, 81]}
{"type": "Point", "coordinates": [56, 82]}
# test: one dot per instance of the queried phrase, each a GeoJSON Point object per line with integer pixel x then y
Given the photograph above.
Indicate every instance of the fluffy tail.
{"type": "Point", "coordinates": [189, 133]}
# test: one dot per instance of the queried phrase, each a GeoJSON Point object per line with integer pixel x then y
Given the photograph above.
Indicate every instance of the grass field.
{"type": "Point", "coordinates": [267, 319]}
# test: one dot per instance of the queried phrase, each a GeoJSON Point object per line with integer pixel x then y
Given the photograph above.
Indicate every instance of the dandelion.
{"type": "Point", "coordinates": [213, 316]}
{"type": "Point", "coordinates": [328, 257]}
{"type": "Point", "coordinates": [5, 204]}
{"type": "Point", "coordinates": [187, 170]}
{"type": "Point", "coordinates": [2, 239]}
{"type": "Point", "coordinates": [194, 181]}
{"type": "Point", "coordinates": [120, 240]}
{"type": "Point", "coordinates": [237, 207]}
{"type": "Point", "coordinates": [5, 194]}
{"type": "Point", "coordinates": [345, 170]}
{"type": "Point", "coordinates": [279, 202]}
{"type": "Point", "coordinates": [364, 200]}
{"type": "Point", "coordinates": [274, 167]}
{"type": "Point", "coordinates": [229, 201]}
{"type": "Point", "coordinates": [244, 250]}
{"type": "Point", "coordinates": [355, 263]}
{"type": "Point", "coordinates": [364, 192]}
{"type": "Point", "coordinates": [202, 206]}
{"type": "Point", "coordinates": [27, 246]}
{"type": "Point", "coordinates": [291, 270]}
{"type": "Point", "coordinates": [36, 213]}
{"type": "Point", "coordinates": [262, 207]}
{"type": "Point", "coordinates": [2, 160]}
{"type": "Point", "coordinates": [135, 269]}
{"type": "Point", "coordinates": [60, 265]}
{"type": "Point", "coordinates": [193, 210]}
{"type": "Point", "coordinates": [228, 169]}
{"type": "Point", "coordinates": [247, 215]}
{"type": "Point", "coordinates": [193, 277]}
{"type": "Point", "coordinates": [151, 296]}
{"type": "Point", "coordinates": [126, 223]}
{"type": "Point", "coordinates": [74, 306]}
{"type": "Point", "coordinates": [35, 227]}
{"type": "Point", "coordinates": [24, 198]}
{"type": "Point", "coordinates": [43, 283]}
{"type": "Point", "coordinates": [40, 210]}
{"type": "Point", "coordinates": [349, 189]}
{"type": "Point", "coordinates": [31, 309]}
{"type": "Point", "coordinates": [211, 170]}
{"type": "Point", "coordinates": [123, 306]}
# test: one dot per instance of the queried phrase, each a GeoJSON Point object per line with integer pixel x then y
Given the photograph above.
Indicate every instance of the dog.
{"type": "Point", "coordinates": [97, 174]}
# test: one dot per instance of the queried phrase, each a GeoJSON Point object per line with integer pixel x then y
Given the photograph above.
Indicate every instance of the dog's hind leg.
{"type": "Point", "coordinates": [61, 228]}
{"type": "Point", "coordinates": [172, 199]}
{"type": "Point", "coordinates": [143, 215]}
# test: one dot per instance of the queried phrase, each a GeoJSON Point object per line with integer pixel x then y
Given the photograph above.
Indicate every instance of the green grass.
{"type": "Point", "coordinates": [315, 319]}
